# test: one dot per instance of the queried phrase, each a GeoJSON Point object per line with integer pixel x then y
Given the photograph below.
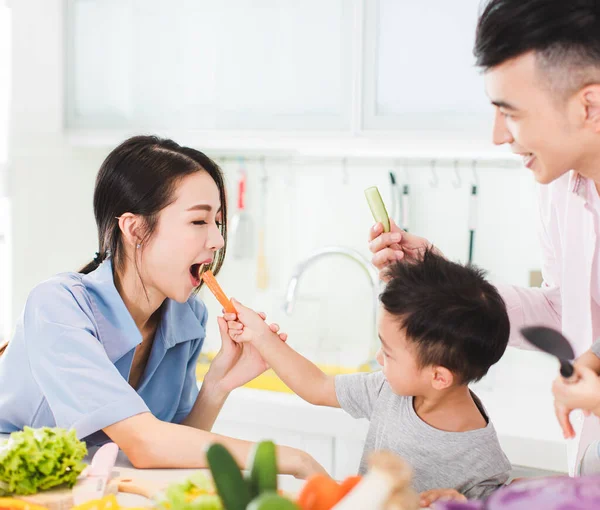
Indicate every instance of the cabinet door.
{"type": "Point", "coordinates": [320, 447]}
{"type": "Point", "coordinates": [198, 64]}
{"type": "Point", "coordinates": [419, 67]}
{"type": "Point", "coordinates": [347, 454]}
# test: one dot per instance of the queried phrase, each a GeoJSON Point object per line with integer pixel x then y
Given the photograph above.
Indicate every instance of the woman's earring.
{"type": "Point", "coordinates": [139, 246]}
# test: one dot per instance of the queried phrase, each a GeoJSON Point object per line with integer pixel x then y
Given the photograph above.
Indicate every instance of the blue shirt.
{"type": "Point", "coordinates": [68, 362]}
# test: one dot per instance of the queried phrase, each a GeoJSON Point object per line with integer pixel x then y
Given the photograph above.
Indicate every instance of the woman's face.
{"type": "Point", "coordinates": [187, 235]}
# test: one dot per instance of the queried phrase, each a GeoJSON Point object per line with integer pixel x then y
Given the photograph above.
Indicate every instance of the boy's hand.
{"type": "Point", "coordinates": [250, 326]}
{"type": "Point", "coordinates": [234, 326]}
{"type": "Point", "coordinates": [428, 497]}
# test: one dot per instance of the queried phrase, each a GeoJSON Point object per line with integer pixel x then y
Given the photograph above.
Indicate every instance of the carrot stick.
{"type": "Point", "coordinates": [216, 289]}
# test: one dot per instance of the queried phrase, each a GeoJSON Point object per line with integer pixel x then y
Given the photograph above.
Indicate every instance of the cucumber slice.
{"type": "Point", "coordinates": [377, 206]}
{"type": "Point", "coordinates": [263, 471]}
{"type": "Point", "coordinates": [229, 482]}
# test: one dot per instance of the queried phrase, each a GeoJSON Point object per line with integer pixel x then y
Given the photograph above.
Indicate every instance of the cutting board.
{"type": "Point", "coordinates": [61, 499]}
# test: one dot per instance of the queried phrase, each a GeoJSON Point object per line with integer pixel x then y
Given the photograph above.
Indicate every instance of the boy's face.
{"type": "Point", "coordinates": [398, 358]}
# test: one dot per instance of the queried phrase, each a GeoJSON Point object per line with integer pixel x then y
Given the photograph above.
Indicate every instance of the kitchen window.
{"type": "Point", "coordinates": [5, 72]}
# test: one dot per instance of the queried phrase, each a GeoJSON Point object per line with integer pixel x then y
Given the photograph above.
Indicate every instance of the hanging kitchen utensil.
{"type": "Point", "coordinates": [404, 200]}
{"type": "Point", "coordinates": [262, 276]}
{"type": "Point", "coordinates": [552, 342]}
{"type": "Point", "coordinates": [242, 228]}
{"type": "Point", "coordinates": [473, 213]}
{"type": "Point", "coordinates": [396, 212]}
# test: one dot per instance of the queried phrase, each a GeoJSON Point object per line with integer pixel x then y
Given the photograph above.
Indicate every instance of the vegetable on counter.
{"type": "Point", "coordinates": [18, 504]}
{"type": "Point", "coordinates": [34, 460]}
{"type": "Point", "coordinates": [386, 486]}
{"type": "Point", "coordinates": [228, 478]}
{"type": "Point", "coordinates": [272, 501]}
{"type": "Point", "coordinates": [320, 492]}
{"type": "Point", "coordinates": [195, 493]}
{"type": "Point", "coordinates": [258, 491]}
{"type": "Point", "coordinates": [263, 470]}
{"type": "Point", "coordinates": [106, 503]}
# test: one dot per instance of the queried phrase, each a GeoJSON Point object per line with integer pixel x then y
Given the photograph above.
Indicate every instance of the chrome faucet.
{"type": "Point", "coordinates": [363, 262]}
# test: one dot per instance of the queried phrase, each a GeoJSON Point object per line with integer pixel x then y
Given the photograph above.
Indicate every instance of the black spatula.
{"type": "Point", "coordinates": [553, 342]}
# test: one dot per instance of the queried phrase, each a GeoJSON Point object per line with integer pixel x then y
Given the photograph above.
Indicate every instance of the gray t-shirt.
{"type": "Point", "coordinates": [471, 462]}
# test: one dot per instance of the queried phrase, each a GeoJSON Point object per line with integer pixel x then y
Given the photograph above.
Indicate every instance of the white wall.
{"type": "Point", "coordinates": [309, 205]}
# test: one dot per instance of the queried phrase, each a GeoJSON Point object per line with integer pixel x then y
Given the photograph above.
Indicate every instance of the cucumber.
{"type": "Point", "coordinates": [263, 468]}
{"type": "Point", "coordinates": [228, 479]}
{"type": "Point", "coordinates": [272, 501]}
{"type": "Point", "coordinates": [377, 206]}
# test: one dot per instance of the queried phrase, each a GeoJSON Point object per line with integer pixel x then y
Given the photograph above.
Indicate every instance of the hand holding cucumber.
{"type": "Point", "coordinates": [387, 241]}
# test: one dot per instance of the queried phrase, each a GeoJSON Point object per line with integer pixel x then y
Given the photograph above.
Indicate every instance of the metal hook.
{"type": "Point", "coordinates": [434, 181]}
{"type": "Point", "coordinates": [263, 166]}
{"type": "Point", "coordinates": [345, 177]}
{"type": "Point", "coordinates": [457, 182]}
{"type": "Point", "coordinates": [475, 176]}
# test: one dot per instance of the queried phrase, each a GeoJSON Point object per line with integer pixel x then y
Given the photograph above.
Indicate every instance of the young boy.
{"type": "Point", "coordinates": [442, 326]}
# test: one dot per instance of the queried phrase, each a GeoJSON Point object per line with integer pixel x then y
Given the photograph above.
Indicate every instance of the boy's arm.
{"type": "Point", "coordinates": [301, 375]}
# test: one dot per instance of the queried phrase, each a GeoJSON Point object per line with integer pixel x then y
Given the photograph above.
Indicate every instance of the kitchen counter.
{"type": "Point", "coordinates": [336, 439]}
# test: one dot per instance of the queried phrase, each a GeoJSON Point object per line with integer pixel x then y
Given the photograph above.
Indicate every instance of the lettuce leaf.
{"type": "Point", "coordinates": [34, 460]}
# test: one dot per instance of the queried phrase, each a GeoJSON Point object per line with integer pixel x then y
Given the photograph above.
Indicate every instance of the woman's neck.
{"type": "Point", "coordinates": [141, 303]}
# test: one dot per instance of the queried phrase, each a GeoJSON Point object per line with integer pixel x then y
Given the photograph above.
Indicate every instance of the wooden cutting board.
{"type": "Point", "coordinates": [61, 499]}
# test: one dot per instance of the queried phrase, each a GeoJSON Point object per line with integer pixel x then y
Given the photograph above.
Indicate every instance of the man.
{"type": "Point", "coordinates": [541, 65]}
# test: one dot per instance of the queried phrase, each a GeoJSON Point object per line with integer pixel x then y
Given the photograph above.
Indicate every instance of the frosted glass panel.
{"type": "Point", "coordinates": [424, 64]}
{"type": "Point", "coordinates": [290, 62]}
{"type": "Point", "coordinates": [101, 60]}
{"type": "Point", "coordinates": [204, 64]}
{"type": "Point", "coordinates": [5, 68]}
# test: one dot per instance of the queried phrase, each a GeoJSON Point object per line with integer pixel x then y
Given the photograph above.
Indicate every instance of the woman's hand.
{"type": "Point", "coordinates": [236, 364]}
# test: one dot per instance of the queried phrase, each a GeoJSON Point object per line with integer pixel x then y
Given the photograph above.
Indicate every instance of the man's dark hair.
{"type": "Point", "coordinates": [564, 34]}
{"type": "Point", "coordinates": [450, 313]}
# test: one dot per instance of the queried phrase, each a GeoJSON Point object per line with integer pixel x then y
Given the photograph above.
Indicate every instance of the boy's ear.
{"type": "Point", "coordinates": [441, 378]}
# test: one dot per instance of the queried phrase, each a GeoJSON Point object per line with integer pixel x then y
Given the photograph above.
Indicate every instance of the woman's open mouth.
{"type": "Point", "coordinates": [195, 274]}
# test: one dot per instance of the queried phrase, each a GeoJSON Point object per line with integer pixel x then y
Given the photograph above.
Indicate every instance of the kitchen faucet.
{"type": "Point", "coordinates": [363, 262]}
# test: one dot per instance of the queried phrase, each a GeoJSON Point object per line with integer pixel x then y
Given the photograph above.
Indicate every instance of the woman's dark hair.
{"type": "Point", "coordinates": [140, 177]}
{"type": "Point", "coordinates": [450, 313]}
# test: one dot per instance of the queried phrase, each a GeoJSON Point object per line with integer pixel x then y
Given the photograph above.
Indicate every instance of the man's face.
{"type": "Point", "coordinates": [541, 125]}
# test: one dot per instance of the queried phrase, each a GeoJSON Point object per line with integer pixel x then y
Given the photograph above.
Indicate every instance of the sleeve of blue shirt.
{"type": "Point", "coordinates": [190, 386]}
{"type": "Point", "coordinates": [83, 388]}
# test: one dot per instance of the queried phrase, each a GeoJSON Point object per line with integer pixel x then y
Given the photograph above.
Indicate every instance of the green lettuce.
{"type": "Point", "coordinates": [34, 460]}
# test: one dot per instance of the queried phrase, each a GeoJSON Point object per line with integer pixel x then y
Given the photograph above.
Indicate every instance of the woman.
{"type": "Point", "coordinates": [111, 351]}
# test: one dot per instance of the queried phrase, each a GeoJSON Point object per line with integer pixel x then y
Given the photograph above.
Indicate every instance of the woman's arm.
{"type": "Point", "coordinates": [207, 407]}
{"type": "Point", "coordinates": [151, 443]}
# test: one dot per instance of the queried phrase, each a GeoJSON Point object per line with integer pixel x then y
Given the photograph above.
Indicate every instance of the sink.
{"type": "Point", "coordinates": [269, 381]}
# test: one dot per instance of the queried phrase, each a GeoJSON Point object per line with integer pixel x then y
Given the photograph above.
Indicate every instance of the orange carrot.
{"type": "Point", "coordinates": [349, 483]}
{"type": "Point", "coordinates": [319, 493]}
{"type": "Point", "coordinates": [216, 289]}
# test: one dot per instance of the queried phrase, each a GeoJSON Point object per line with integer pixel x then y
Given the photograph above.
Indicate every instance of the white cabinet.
{"type": "Point", "coordinates": [419, 67]}
{"type": "Point", "coordinates": [198, 64]}
{"type": "Point", "coordinates": [329, 435]}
